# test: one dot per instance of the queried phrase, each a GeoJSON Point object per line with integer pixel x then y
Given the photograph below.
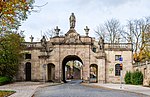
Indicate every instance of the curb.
{"type": "Point", "coordinates": [107, 88]}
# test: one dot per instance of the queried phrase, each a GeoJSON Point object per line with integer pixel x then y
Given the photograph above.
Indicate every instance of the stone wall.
{"type": "Point", "coordinates": [111, 62]}
{"type": "Point", "coordinates": [145, 69]}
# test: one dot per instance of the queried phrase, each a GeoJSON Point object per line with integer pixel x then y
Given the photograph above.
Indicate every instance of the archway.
{"type": "Point", "coordinates": [71, 68]}
{"type": "Point", "coordinates": [93, 73]}
{"type": "Point", "coordinates": [51, 72]}
{"type": "Point", "coordinates": [28, 71]}
{"type": "Point", "coordinates": [117, 70]}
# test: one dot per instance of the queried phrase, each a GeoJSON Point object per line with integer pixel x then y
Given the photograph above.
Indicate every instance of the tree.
{"type": "Point", "coordinates": [127, 77]}
{"type": "Point", "coordinates": [100, 31]}
{"type": "Point", "coordinates": [10, 55]}
{"type": "Point", "coordinates": [147, 44]}
{"type": "Point", "coordinates": [111, 29]}
{"type": "Point", "coordinates": [135, 33]}
{"type": "Point", "coordinates": [12, 12]}
{"type": "Point", "coordinates": [137, 78]}
{"type": "Point", "coordinates": [51, 33]}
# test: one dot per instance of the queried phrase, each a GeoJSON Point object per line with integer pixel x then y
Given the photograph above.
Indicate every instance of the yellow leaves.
{"type": "Point", "coordinates": [12, 12]}
{"type": "Point", "coordinates": [138, 57]}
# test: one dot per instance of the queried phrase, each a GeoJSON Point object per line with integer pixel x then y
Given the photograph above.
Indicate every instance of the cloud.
{"type": "Point", "coordinates": [88, 13]}
{"type": "Point", "coordinates": [115, 3]}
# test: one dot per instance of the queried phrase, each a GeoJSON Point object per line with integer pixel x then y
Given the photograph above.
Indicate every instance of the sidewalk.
{"type": "Point", "coordinates": [130, 88]}
{"type": "Point", "coordinates": [25, 89]}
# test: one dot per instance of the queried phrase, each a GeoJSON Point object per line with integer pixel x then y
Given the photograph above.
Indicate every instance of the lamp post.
{"type": "Point", "coordinates": [121, 71]}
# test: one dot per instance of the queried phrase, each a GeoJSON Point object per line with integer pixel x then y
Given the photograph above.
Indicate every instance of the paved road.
{"type": "Point", "coordinates": [75, 89]}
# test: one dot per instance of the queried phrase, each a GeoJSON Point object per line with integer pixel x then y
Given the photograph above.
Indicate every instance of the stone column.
{"type": "Point", "coordinates": [86, 71]}
{"type": "Point", "coordinates": [58, 72]}
{"type": "Point", "coordinates": [101, 71]}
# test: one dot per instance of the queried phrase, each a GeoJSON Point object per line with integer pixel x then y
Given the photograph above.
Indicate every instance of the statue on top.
{"type": "Point", "coordinates": [72, 20]}
{"type": "Point", "coordinates": [43, 42]}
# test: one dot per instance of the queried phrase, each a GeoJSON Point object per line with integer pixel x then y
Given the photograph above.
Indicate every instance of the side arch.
{"type": "Point", "coordinates": [94, 73]}
{"type": "Point", "coordinates": [51, 72]}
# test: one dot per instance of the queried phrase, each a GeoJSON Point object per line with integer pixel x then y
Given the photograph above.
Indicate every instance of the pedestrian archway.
{"type": "Point", "coordinates": [28, 71]}
{"type": "Point", "coordinates": [51, 72]}
{"type": "Point", "coordinates": [72, 68]}
{"type": "Point", "coordinates": [93, 73]}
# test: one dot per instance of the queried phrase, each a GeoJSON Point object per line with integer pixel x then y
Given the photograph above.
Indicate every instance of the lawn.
{"type": "Point", "coordinates": [5, 93]}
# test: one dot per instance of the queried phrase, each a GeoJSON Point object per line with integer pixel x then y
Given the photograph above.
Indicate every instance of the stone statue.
{"type": "Point", "coordinates": [43, 41]}
{"type": "Point", "coordinates": [72, 20]}
{"type": "Point", "coordinates": [101, 43]}
{"type": "Point", "coordinates": [31, 38]}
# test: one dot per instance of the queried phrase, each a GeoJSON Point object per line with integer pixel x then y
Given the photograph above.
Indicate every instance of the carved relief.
{"type": "Point", "coordinates": [72, 37]}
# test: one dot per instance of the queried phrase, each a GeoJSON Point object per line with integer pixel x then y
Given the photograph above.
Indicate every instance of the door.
{"type": "Point", "coordinates": [28, 71]}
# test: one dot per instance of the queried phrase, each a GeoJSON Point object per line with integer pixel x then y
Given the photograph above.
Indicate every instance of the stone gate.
{"type": "Point", "coordinates": [99, 60]}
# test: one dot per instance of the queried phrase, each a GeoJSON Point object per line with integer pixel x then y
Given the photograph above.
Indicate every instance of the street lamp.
{"type": "Point", "coordinates": [121, 71]}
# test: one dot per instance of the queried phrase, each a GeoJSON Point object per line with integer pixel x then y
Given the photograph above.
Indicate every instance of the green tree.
{"type": "Point", "coordinates": [10, 48]}
{"type": "Point", "coordinates": [128, 77]}
{"type": "Point", "coordinates": [12, 12]}
{"type": "Point", "coordinates": [137, 78]}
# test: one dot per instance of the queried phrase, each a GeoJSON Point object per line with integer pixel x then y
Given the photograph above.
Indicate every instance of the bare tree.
{"type": "Point", "coordinates": [50, 33]}
{"type": "Point", "coordinates": [110, 30]}
{"type": "Point", "coordinates": [113, 27]}
{"type": "Point", "coordinates": [100, 31]}
{"type": "Point", "coordinates": [135, 32]}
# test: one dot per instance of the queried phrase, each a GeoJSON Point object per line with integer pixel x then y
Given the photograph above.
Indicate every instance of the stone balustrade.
{"type": "Point", "coordinates": [118, 46]}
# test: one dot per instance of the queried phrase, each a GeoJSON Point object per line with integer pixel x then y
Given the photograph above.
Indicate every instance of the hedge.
{"type": "Point", "coordinates": [128, 77]}
{"type": "Point", "coordinates": [5, 80]}
{"type": "Point", "coordinates": [135, 78]}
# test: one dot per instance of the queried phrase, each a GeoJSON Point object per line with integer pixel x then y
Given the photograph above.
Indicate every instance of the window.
{"type": "Point", "coordinates": [94, 49]}
{"type": "Point", "coordinates": [27, 56]}
{"type": "Point", "coordinates": [117, 57]}
{"type": "Point", "coordinates": [117, 70]}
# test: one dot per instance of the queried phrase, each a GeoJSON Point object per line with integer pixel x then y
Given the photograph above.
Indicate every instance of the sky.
{"type": "Point", "coordinates": [89, 13]}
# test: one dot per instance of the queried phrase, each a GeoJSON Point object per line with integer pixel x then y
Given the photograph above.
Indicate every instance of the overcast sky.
{"type": "Point", "coordinates": [89, 13]}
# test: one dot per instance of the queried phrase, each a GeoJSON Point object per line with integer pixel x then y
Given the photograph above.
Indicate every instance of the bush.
{"type": "Point", "coordinates": [137, 78]}
{"type": "Point", "coordinates": [4, 80]}
{"type": "Point", "coordinates": [128, 77]}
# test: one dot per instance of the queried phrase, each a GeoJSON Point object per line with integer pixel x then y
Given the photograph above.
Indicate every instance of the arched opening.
{"type": "Point", "coordinates": [117, 70]}
{"type": "Point", "coordinates": [71, 68]}
{"type": "Point", "coordinates": [51, 72]}
{"type": "Point", "coordinates": [28, 71]}
{"type": "Point", "coordinates": [93, 73]}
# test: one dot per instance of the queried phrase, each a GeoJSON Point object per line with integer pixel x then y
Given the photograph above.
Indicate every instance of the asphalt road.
{"type": "Point", "coordinates": [75, 89]}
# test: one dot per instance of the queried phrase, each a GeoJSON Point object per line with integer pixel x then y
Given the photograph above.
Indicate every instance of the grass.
{"type": "Point", "coordinates": [5, 93]}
